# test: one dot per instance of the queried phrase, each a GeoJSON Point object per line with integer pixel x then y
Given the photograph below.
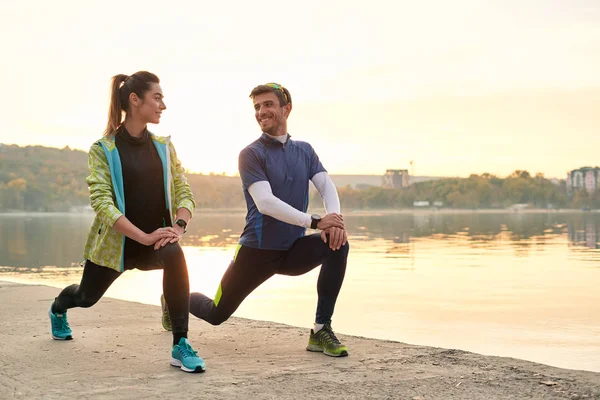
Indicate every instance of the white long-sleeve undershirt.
{"type": "Point", "coordinates": [328, 192]}
{"type": "Point", "coordinates": [268, 204]}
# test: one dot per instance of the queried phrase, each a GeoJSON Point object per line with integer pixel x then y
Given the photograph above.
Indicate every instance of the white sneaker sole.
{"type": "Point", "coordinates": [60, 338]}
{"type": "Point", "coordinates": [176, 363]}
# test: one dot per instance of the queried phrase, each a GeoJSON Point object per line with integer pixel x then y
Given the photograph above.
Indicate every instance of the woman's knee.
{"type": "Point", "coordinates": [86, 300]}
{"type": "Point", "coordinates": [172, 250]}
{"type": "Point", "coordinates": [172, 255]}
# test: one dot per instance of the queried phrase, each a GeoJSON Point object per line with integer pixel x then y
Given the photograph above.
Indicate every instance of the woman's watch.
{"type": "Point", "coordinates": [314, 221]}
{"type": "Point", "coordinates": [182, 224]}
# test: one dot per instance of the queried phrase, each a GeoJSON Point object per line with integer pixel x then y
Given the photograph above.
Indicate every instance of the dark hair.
{"type": "Point", "coordinates": [282, 93]}
{"type": "Point", "coordinates": [120, 89]}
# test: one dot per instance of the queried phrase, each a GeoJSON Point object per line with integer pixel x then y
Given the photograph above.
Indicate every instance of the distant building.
{"type": "Point", "coordinates": [587, 178]}
{"type": "Point", "coordinates": [362, 182]}
{"type": "Point", "coordinates": [395, 179]}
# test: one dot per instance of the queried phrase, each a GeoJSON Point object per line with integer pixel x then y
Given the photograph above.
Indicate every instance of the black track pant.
{"type": "Point", "coordinates": [97, 279]}
{"type": "Point", "coordinates": [251, 267]}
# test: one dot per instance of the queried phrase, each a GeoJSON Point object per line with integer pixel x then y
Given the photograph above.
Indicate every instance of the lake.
{"type": "Point", "coordinates": [516, 284]}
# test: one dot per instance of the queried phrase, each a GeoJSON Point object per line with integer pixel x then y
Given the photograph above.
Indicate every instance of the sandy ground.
{"type": "Point", "coordinates": [120, 351]}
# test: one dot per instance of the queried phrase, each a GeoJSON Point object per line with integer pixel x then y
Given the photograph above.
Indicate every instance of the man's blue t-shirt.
{"type": "Point", "coordinates": [288, 168]}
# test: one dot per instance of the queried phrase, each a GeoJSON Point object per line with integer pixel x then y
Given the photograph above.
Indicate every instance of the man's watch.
{"type": "Point", "coordinates": [182, 224]}
{"type": "Point", "coordinates": [314, 221]}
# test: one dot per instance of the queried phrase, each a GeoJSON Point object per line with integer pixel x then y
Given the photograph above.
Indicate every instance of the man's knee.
{"type": "Point", "coordinates": [218, 315]}
{"type": "Point", "coordinates": [345, 248]}
{"type": "Point", "coordinates": [217, 319]}
{"type": "Point", "coordinates": [206, 309]}
{"type": "Point", "coordinates": [342, 251]}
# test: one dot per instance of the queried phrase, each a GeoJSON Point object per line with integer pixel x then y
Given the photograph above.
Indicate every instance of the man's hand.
{"type": "Point", "coordinates": [158, 235]}
{"type": "Point", "coordinates": [335, 237]}
{"type": "Point", "coordinates": [331, 220]}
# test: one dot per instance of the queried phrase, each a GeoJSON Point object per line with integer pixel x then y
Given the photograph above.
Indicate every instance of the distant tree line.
{"type": "Point", "coordinates": [42, 179]}
{"type": "Point", "coordinates": [483, 191]}
{"type": "Point", "coordinates": [37, 178]}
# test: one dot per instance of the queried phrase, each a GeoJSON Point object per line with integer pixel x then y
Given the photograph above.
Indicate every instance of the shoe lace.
{"type": "Point", "coordinates": [331, 336]}
{"type": "Point", "coordinates": [187, 351]}
{"type": "Point", "coordinates": [60, 323]}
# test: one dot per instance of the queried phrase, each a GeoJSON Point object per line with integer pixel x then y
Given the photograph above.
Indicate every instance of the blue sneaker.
{"type": "Point", "coordinates": [185, 357]}
{"type": "Point", "coordinates": [60, 327]}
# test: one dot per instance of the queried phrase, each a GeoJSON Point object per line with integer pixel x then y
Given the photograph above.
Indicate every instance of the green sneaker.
{"type": "Point", "coordinates": [186, 358]}
{"type": "Point", "coordinates": [166, 319]}
{"type": "Point", "coordinates": [59, 326]}
{"type": "Point", "coordinates": [326, 342]}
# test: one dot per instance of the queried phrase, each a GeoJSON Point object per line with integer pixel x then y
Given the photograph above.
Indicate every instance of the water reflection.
{"type": "Point", "coordinates": [521, 232]}
{"type": "Point", "coordinates": [33, 241]}
{"type": "Point", "coordinates": [476, 226]}
{"type": "Point", "coordinates": [584, 232]}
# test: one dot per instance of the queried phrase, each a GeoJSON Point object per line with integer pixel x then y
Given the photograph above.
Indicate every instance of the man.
{"type": "Point", "coordinates": [275, 172]}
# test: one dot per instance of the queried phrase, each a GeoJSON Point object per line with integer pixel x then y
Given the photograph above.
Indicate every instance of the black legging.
{"type": "Point", "coordinates": [251, 267]}
{"type": "Point", "coordinates": [97, 279]}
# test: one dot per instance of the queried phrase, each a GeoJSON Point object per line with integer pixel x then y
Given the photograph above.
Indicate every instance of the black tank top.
{"type": "Point", "coordinates": [143, 185]}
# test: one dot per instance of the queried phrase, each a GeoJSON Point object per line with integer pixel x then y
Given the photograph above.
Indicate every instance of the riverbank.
{"type": "Point", "coordinates": [120, 351]}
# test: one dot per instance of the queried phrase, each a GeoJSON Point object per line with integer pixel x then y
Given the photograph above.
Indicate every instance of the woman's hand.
{"type": "Point", "coordinates": [159, 235]}
{"type": "Point", "coordinates": [163, 242]}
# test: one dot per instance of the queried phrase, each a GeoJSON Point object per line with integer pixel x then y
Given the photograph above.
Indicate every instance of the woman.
{"type": "Point", "coordinates": [137, 189]}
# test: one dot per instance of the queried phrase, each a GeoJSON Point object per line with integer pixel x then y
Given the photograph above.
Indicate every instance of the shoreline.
{"type": "Point", "coordinates": [120, 351]}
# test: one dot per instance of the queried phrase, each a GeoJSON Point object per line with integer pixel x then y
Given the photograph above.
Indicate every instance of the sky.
{"type": "Point", "coordinates": [457, 87]}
